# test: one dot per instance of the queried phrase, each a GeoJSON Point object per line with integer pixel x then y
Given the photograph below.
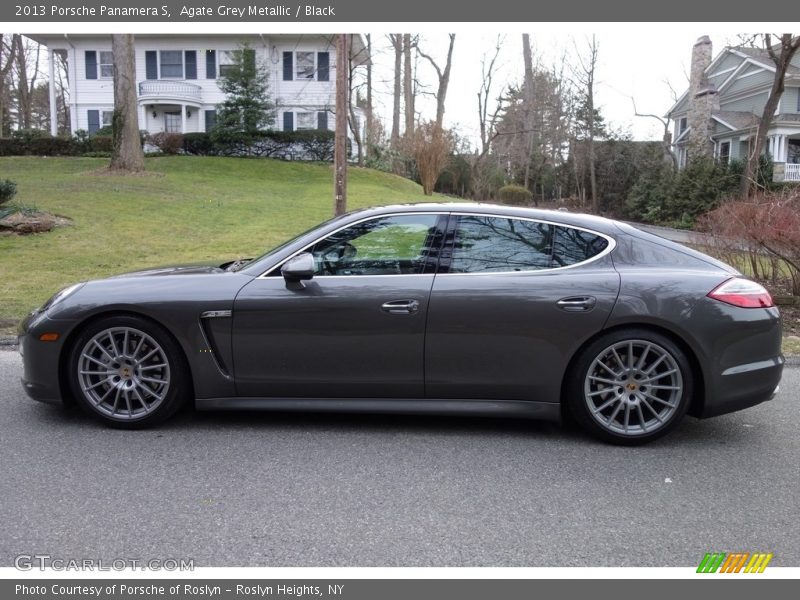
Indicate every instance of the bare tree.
{"type": "Point", "coordinates": [444, 78]}
{"type": "Point", "coordinates": [8, 50]}
{"type": "Point", "coordinates": [126, 152]}
{"type": "Point", "coordinates": [352, 99]}
{"type": "Point", "coordinates": [397, 43]}
{"type": "Point", "coordinates": [408, 84]}
{"type": "Point", "coordinates": [666, 138]}
{"type": "Point", "coordinates": [528, 111]}
{"type": "Point", "coordinates": [370, 131]}
{"type": "Point", "coordinates": [431, 147]}
{"type": "Point", "coordinates": [27, 72]}
{"type": "Point", "coordinates": [585, 76]}
{"type": "Point", "coordinates": [62, 90]}
{"type": "Point", "coordinates": [487, 120]}
{"type": "Point", "coordinates": [781, 54]}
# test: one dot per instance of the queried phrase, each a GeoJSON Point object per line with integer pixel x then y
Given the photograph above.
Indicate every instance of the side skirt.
{"type": "Point", "coordinates": [548, 411]}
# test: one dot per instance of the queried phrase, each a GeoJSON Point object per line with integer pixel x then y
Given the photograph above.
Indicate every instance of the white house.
{"type": "Point", "coordinates": [177, 78]}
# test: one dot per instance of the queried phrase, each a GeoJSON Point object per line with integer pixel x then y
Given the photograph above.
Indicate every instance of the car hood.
{"type": "Point", "coordinates": [192, 269]}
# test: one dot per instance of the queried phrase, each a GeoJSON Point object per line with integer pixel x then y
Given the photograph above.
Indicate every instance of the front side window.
{"type": "Point", "coordinates": [304, 65]}
{"type": "Point", "coordinates": [391, 245]}
{"type": "Point", "coordinates": [106, 64]}
{"type": "Point", "coordinates": [171, 63]}
{"type": "Point", "coordinates": [499, 244]}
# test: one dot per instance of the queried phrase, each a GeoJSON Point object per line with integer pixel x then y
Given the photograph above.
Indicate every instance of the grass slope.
{"type": "Point", "coordinates": [185, 209]}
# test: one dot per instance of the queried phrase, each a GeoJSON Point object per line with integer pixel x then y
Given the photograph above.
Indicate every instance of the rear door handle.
{"type": "Point", "coordinates": [400, 307]}
{"type": "Point", "coordinates": [577, 303]}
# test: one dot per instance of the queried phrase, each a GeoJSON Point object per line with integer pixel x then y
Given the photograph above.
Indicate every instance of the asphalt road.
{"type": "Point", "coordinates": [321, 490]}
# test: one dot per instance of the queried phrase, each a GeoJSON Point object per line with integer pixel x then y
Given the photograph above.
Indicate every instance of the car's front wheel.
{"type": "Point", "coordinates": [630, 387]}
{"type": "Point", "coordinates": [128, 372]}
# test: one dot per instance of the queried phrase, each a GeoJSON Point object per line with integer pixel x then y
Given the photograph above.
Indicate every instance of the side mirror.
{"type": "Point", "coordinates": [299, 268]}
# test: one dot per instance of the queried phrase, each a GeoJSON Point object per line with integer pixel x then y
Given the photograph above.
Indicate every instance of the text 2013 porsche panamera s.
{"type": "Point", "coordinates": [428, 308]}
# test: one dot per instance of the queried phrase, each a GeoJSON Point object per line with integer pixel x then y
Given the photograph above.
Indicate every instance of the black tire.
{"type": "Point", "coordinates": [128, 372]}
{"type": "Point", "coordinates": [613, 397]}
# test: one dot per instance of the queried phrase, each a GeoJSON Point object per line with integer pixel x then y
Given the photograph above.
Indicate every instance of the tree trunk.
{"type": "Point", "coordinates": [126, 153]}
{"type": "Point", "coordinates": [408, 90]}
{"type": "Point", "coordinates": [369, 132]}
{"type": "Point", "coordinates": [353, 120]}
{"type": "Point", "coordinates": [5, 69]}
{"type": "Point", "coordinates": [23, 92]}
{"type": "Point", "coordinates": [528, 111]}
{"type": "Point", "coordinates": [788, 48]}
{"type": "Point", "coordinates": [444, 78]}
{"type": "Point", "coordinates": [397, 43]}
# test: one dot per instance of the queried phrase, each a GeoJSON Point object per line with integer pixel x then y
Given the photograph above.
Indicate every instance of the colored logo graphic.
{"type": "Point", "coordinates": [735, 562]}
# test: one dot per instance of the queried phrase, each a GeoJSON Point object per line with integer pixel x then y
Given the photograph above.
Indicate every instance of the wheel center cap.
{"type": "Point", "coordinates": [125, 372]}
{"type": "Point", "coordinates": [632, 387]}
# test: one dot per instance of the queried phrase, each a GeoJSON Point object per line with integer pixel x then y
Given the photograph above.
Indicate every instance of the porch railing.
{"type": "Point", "coordinates": [792, 173]}
{"type": "Point", "coordinates": [169, 89]}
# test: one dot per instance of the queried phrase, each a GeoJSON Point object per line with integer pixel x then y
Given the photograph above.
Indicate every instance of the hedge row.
{"type": "Point", "coordinates": [54, 146]}
{"type": "Point", "coordinates": [311, 144]}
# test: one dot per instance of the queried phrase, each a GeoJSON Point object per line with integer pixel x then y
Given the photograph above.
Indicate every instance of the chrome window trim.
{"type": "Point", "coordinates": [612, 244]}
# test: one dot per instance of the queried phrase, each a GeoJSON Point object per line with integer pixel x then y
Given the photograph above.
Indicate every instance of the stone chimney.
{"type": "Point", "coordinates": [703, 100]}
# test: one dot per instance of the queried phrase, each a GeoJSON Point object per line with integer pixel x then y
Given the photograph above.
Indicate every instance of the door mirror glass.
{"type": "Point", "coordinates": [298, 268]}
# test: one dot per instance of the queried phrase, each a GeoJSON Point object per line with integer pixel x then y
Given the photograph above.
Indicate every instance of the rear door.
{"type": "Point", "coordinates": [513, 300]}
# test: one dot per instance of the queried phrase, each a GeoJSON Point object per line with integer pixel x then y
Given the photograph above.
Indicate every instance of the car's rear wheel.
{"type": "Point", "coordinates": [128, 372]}
{"type": "Point", "coordinates": [630, 387]}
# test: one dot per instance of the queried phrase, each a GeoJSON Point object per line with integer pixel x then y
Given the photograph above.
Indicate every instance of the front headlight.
{"type": "Point", "coordinates": [61, 296]}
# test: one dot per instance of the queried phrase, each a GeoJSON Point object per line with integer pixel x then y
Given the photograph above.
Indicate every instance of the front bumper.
{"type": "Point", "coordinates": [40, 360]}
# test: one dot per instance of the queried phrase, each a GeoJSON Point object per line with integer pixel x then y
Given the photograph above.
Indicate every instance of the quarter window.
{"type": "Point", "coordinates": [573, 246]}
{"type": "Point", "coordinates": [106, 64]}
{"type": "Point", "coordinates": [171, 63]}
{"type": "Point", "coordinates": [391, 245]}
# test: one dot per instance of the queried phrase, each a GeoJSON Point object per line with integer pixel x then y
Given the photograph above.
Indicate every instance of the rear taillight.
{"type": "Point", "coordinates": [743, 293]}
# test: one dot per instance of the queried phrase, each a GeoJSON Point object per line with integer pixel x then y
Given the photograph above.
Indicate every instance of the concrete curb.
{"type": "Point", "coordinates": [8, 341]}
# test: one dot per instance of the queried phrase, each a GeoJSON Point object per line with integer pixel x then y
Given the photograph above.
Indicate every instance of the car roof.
{"type": "Point", "coordinates": [600, 224]}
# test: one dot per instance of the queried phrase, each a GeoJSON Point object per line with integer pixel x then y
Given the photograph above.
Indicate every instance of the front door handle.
{"type": "Point", "coordinates": [400, 307]}
{"type": "Point", "coordinates": [577, 303]}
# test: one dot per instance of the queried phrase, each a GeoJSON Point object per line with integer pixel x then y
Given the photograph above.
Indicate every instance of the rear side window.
{"type": "Point", "coordinates": [573, 246]}
{"type": "Point", "coordinates": [485, 244]}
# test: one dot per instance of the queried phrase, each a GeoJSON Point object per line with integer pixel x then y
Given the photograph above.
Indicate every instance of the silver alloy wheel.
{"type": "Point", "coordinates": [123, 373]}
{"type": "Point", "coordinates": [633, 387]}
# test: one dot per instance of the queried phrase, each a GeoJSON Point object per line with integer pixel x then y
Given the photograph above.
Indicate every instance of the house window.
{"type": "Point", "coordinates": [106, 64]}
{"type": "Point", "coordinates": [306, 120]}
{"type": "Point", "coordinates": [304, 65]}
{"type": "Point", "coordinates": [171, 64]}
{"type": "Point", "coordinates": [172, 122]}
{"type": "Point", "coordinates": [724, 152]}
{"type": "Point", "coordinates": [682, 125]}
{"type": "Point", "coordinates": [108, 117]}
{"type": "Point", "coordinates": [227, 60]}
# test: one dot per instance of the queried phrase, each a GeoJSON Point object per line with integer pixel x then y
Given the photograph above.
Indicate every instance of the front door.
{"type": "Point", "coordinates": [356, 330]}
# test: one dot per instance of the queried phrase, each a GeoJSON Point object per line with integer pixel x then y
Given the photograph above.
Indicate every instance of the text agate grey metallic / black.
{"type": "Point", "coordinates": [427, 308]}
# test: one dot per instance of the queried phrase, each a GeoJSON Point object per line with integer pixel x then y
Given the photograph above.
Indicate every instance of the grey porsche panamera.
{"type": "Point", "coordinates": [429, 308]}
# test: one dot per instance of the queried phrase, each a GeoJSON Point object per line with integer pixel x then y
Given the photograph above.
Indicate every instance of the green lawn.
{"type": "Point", "coordinates": [186, 209]}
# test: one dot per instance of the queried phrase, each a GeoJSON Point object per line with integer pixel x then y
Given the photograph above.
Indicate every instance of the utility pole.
{"type": "Point", "coordinates": [340, 142]}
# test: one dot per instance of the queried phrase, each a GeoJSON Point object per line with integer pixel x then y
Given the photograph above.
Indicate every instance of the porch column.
{"type": "Point", "coordinates": [784, 148]}
{"type": "Point", "coordinates": [183, 118]}
{"type": "Point", "coordinates": [52, 90]}
{"type": "Point", "coordinates": [143, 117]}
